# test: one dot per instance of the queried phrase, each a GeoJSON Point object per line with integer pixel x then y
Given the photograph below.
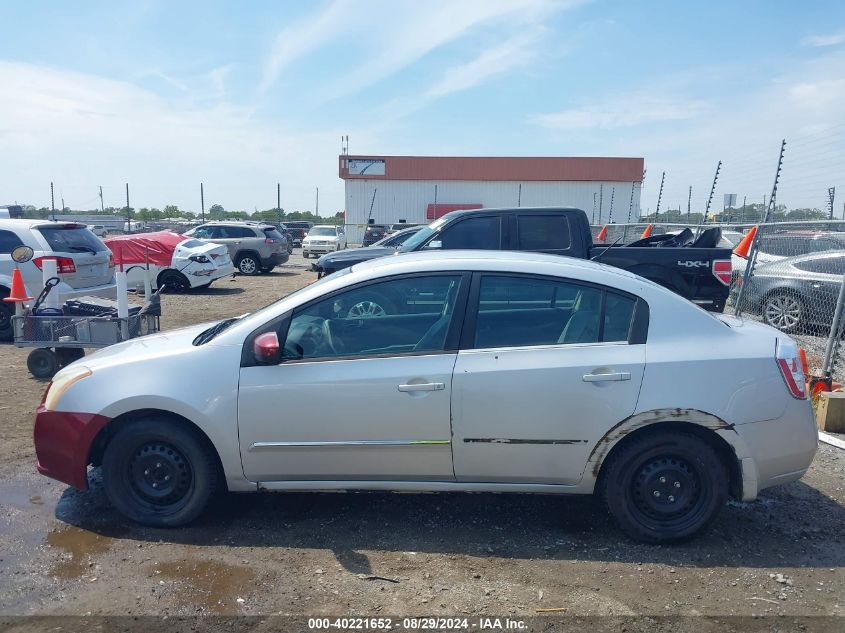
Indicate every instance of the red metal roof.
{"type": "Point", "coordinates": [434, 211]}
{"type": "Point", "coordinates": [513, 168]}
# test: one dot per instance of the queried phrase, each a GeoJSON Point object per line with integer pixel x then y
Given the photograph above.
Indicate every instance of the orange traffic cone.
{"type": "Point", "coordinates": [745, 243]}
{"type": "Point", "coordinates": [602, 234]}
{"type": "Point", "coordinates": [647, 231]}
{"type": "Point", "coordinates": [802, 356]}
{"type": "Point", "coordinates": [18, 294]}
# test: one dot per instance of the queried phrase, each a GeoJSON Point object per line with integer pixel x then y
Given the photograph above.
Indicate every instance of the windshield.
{"type": "Point", "coordinates": [420, 238]}
{"type": "Point", "coordinates": [65, 238]}
{"type": "Point", "coordinates": [322, 230]}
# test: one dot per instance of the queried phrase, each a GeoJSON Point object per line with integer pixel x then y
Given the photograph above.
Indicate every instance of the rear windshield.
{"type": "Point", "coordinates": [192, 244]}
{"type": "Point", "coordinates": [72, 239]}
{"type": "Point", "coordinates": [273, 234]}
{"type": "Point", "coordinates": [322, 230]}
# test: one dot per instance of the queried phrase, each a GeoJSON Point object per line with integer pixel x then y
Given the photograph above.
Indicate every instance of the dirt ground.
{"type": "Point", "coordinates": [66, 552]}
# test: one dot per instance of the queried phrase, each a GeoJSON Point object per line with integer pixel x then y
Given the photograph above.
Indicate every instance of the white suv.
{"type": "Point", "coordinates": [323, 238]}
{"type": "Point", "coordinates": [85, 264]}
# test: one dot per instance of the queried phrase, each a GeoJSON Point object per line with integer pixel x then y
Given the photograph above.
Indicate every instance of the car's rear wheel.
{"type": "Point", "coordinates": [664, 487]}
{"type": "Point", "coordinates": [783, 310]}
{"type": "Point", "coordinates": [174, 281]}
{"type": "Point", "coordinates": [159, 472]}
{"type": "Point", "coordinates": [42, 363]}
{"type": "Point", "coordinates": [6, 312]}
{"type": "Point", "coordinates": [248, 265]}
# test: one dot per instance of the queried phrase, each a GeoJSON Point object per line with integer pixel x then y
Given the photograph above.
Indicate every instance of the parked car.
{"type": "Point", "coordinates": [85, 264]}
{"type": "Point", "coordinates": [374, 233]}
{"type": "Point", "coordinates": [697, 271]}
{"type": "Point", "coordinates": [324, 238]}
{"type": "Point", "coordinates": [774, 247]}
{"type": "Point", "coordinates": [285, 231]}
{"type": "Point", "coordinates": [613, 386]}
{"type": "Point", "coordinates": [351, 256]}
{"type": "Point", "coordinates": [796, 293]}
{"type": "Point", "coordinates": [99, 230]}
{"type": "Point", "coordinates": [254, 247]}
{"type": "Point", "coordinates": [177, 262]}
{"type": "Point", "coordinates": [298, 230]}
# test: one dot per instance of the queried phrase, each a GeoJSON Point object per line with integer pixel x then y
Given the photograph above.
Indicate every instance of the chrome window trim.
{"type": "Point", "coordinates": [258, 446]}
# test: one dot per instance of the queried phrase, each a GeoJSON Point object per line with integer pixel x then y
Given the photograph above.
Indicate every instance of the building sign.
{"type": "Point", "coordinates": [365, 167]}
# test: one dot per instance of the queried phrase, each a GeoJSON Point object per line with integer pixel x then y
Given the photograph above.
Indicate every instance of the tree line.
{"type": "Point", "coordinates": [172, 211]}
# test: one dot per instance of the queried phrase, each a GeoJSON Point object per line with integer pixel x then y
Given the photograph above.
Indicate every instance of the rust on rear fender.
{"type": "Point", "coordinates": [640, 420]}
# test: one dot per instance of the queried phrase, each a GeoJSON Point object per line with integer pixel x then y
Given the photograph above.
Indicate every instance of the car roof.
{"type": "Point", "coordinates": [20, 223]}
{"type": "Point", "coordinates": [499, 210]}
{"type": "Point", "coordinates": [323, 226]}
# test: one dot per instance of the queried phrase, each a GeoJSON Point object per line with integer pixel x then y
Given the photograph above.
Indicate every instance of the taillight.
{"type": "Point", "coordinates": [64, 265]}
{"type": "Point", "coordinates": [268, 240]}
{"type": "Point", "coordinates": [789, 363]}
{"type": "Point", "coordinates": [722, 270]}
{"type": "Point", "coordinates": [111, 259]}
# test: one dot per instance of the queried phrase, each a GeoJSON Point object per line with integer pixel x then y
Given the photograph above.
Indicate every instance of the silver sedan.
{"type": "Point", "coordinates": [472, 371]}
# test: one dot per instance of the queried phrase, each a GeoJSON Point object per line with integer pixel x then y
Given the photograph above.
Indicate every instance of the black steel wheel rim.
{"type": "Point", "coordinates": [41, 362]}
{"type": "Point", "coordinates": [177, 283]}
{"type": "Point", "coordinates": [159, 474]}
{"type": "Point", "coordinates": [668, 490]}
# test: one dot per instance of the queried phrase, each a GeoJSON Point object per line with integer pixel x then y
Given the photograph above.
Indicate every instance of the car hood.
{"type": "Point", "coordinates": [358, 254]}
{"type": "Point", "coordinates": [311, 238]}
{"type": "Point", "coordinates": [168, 343]}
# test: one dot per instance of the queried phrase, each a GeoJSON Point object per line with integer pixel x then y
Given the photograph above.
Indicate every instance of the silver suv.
{"type": "Point", "coordinates": [85, 264]}
{"type": "Point", "coordinates": [254, 247]}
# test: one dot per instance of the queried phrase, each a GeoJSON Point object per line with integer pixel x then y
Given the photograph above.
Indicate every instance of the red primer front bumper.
{"type": "Point", "coordinates": [62, 443]}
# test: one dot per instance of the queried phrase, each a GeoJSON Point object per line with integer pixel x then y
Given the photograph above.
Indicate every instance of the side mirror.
{"type": "Point", "coordinates": [22, 254]}
{"type": "Point", "coordinates": [434, 244]}
{"type": "Point", "coordinates": [265, 348]}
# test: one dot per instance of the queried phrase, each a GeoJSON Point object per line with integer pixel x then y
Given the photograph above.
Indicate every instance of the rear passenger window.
{"type": "Point", "coordinates": [543, 232]}
{"type": "Point", "coordinates": [9, 242]}
{"type": "Point", "coordinates": [525, 311]}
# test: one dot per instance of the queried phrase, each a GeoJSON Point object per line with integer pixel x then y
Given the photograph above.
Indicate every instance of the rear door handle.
{"type": "Point", "coordinates": [426, 386]}
{"type": "Point", "coordinates": [622, 375]}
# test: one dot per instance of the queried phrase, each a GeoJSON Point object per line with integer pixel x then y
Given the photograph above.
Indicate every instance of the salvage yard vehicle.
{"type": "Point", "coordinates": [254, 247]}
{"type": "Point", "coordinates": [374, 233]}
{"type": "Point", "coordinates": [493, 371]}
{"type": "Point", "coordinates": [174, 261]}
{"type": "Point", "coordinates": [697, 271]}
{"type": "Point", "coordinates": [298, 229]}
{"type": "Point", "coordinates": [351, 256]}
{"type": "Point", "coordinates": [795, 294]}
{"type": "Point", "coordinates": [323, 238]}
{"type": "Point", "coordinates": [85, 265]}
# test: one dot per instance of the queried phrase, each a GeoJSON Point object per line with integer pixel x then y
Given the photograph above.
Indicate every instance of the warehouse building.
{"type": "Point", "coordinates": [419, 189]}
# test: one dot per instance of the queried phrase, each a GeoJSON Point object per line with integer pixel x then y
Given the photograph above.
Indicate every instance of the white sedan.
{"type": "Point", "coordinates": [488, 371]}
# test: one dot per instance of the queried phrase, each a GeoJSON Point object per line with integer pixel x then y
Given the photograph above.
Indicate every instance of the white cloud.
{"type": "Point", "coordinates": [623, 110]}
{"type": "Point", "coordinates": [829, 39]}
{"type": "Point", "coordinates": [81, 131]}
{"type": "Point", "coordinates": [385, 36]}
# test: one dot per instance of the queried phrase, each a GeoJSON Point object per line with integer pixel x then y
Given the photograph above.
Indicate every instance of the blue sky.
{"type": "Point", "coordinates": [241, 95]}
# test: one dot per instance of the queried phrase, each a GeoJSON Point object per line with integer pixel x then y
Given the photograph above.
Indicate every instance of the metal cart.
{"type": "Point", "coordinates": [60, 340]}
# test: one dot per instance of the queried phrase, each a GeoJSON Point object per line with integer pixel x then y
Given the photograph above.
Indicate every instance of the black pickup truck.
{"type": "Point", "coordinates": [691, 266]}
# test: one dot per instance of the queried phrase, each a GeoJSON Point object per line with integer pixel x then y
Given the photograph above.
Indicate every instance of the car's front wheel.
{"type": "Point", "coordinates": [664, 486]}
{"type": "Point", "coordinates": [784, 311]}
{"type": "Point", "coordinates": [159, 472]}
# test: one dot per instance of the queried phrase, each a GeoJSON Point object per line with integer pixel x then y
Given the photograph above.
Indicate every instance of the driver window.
{"type": "Point", "coordinates": [399, 316]}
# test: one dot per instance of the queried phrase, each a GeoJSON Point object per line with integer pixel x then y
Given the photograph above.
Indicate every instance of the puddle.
{"type": "Point", "coordinates": [210, 584]}
{"type": "Point", "coordinates": [22, 495]}
{"type": "Point", "coordinates": [81, 546]}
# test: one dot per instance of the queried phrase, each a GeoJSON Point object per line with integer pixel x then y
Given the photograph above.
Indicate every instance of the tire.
{"type": "Point", "coordinates": [646, 477]}
{"type": "Point", "coordinates": [305, 255]}
{"type": "Point", "coordinates": [67, 355]}
{"type": "Point", "coordinates": [158, 472]}
{"type": "Point", "coordinates": [368, 305]}
{"type": "Point", "coordinates": [174, 281]}
{"type": "Point", "coordinates": [42, 363]}
{"type": "Point", "coordinates": [6, 313]}
{"type": "Point", "coordinates": [248, 265]}
{"type": "Point", "coordinates": [784, 311]}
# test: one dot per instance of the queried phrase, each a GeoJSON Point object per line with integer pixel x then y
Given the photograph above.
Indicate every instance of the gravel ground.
{"type": "Point", "coordinates": [67, 552]}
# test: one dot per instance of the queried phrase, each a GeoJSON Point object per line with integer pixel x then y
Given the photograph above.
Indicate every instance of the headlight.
{"type": "Point", "coordinates": [61, 383]}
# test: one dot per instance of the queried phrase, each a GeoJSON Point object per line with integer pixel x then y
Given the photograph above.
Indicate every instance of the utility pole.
{"type": "Point", "coordinates": [610, 215]}
{"type": "Point", "coordinates": [128, 217]}
{"type": "Point", "coordinates": [279, 201]}
{"type": "Point", "coordinates": [519, 196]}
{"type": "Point", "coordinates": [102, 206]}
{"type": "Point", "coordinates": [52, 202]}
{"type": "Point", "coordinates": [742, 213]}
{"type": "Point", "coordinates": [659, 196]}
{"type": "Point", "coordinates": [63, 204]}
{"type": "Point", "coordinates": [601, 197]}
{"type": "Point", "coordinates": [317, 204]}
{"type": "Point", "coordinates": [202, 203]}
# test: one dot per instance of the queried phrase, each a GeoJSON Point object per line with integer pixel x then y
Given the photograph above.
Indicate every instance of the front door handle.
{"type": "Point", "coordinates": [426, 386]}
{"type": "Point", "coordinates": [622, 375]}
